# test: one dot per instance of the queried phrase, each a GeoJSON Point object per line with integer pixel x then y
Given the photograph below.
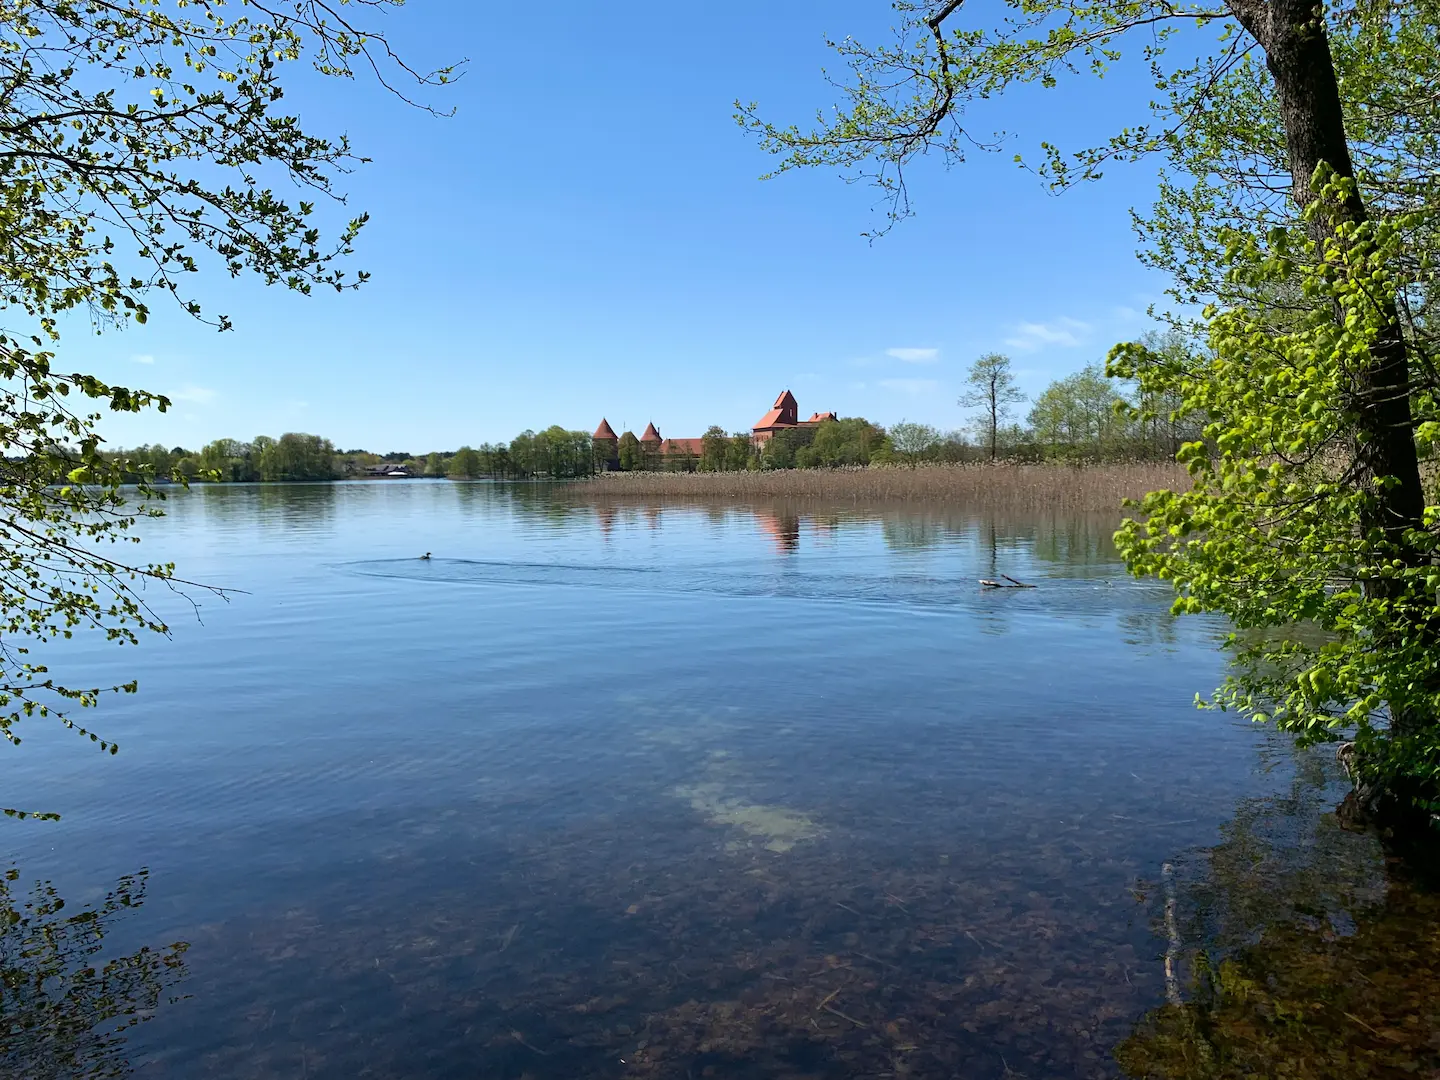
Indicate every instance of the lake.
{"type": "Point", "coordinates": [666, 791]}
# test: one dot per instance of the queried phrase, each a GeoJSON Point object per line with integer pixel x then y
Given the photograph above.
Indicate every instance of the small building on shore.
{"type": "Point", "coordinates": [388, 471]}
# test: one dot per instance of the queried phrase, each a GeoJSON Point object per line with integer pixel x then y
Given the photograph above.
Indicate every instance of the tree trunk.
{"type": "Point", "coordinates": [1297, 54]}
{"type": "Point", "coordinates": [994, 417]}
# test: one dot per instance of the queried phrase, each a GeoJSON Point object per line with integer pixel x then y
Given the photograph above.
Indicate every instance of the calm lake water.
{"type": "Point", "coordinates": [654, 791]}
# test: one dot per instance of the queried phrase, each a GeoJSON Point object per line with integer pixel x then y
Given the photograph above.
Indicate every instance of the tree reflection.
{"type": "Point", "coordinates": [64, 1013]}
{"type": "Point", "coordinates": [1319, 961]}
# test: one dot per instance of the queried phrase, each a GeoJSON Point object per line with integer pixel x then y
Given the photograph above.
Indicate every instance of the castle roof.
{"type": "Point", "coordinates": [685, 446]}
{"type": "Point", "coordinates": [604, 431]}
{"type": "Point", "coordinates": [782, 415]}
{"type": "Point", "coordinates": [820, 418]}
{"type": "Point", "coordinates": [651, 435]}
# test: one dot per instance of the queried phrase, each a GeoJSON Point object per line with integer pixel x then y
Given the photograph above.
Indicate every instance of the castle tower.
{"type": "Point", "coordinates": [784, 414]}
{"type": "Point", "coordinates": [606, 445]}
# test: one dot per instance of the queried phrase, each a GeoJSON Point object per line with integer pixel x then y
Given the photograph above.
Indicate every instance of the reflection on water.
{"type": "Point", "coordinates": [67, 1004]}
{"type": "Point", "coordinates": [1309, 960]}
{"type": "Point", "coordinates": [681, 791]}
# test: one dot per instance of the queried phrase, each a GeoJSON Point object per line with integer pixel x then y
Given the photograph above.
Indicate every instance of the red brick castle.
{"type": "Point", "coordinates": [783, 416]}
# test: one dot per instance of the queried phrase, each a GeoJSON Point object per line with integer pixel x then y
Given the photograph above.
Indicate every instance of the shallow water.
{"type": "Point", "coordinates": [662, 791]}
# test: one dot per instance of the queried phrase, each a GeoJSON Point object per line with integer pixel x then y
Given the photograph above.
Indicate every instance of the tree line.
{"type": "Point", "coordinates": [1083, 417]}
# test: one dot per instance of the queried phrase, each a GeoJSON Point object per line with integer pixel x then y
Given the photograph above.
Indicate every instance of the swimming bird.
{"type": "Point", "coordinates": [425, 556]}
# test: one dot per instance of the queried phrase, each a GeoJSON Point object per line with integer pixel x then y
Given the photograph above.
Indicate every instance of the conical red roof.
{"type": "Point", "coordinates": [651, 435]}
{"type": "Point", "coordinates": [604, 431]}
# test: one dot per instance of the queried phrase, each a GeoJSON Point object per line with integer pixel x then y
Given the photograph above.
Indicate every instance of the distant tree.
{"type": "Point", "coordinates": [841, 442]}
{"type": "Point", "coordinates": [1163, 422]}
{"type": "Point", "coordinates": [781, 450]}
{"type": "Point", "coordinates": [295, 456]}
{"type": "Point", "coordinates": [913, 442]}
{"type": "Point", "coordinates": [740, 454]}
{"type": "Point", "coordinates": [561, 454]}
{"type": "Point", "coordinates": [465, 463]}
{"type": "Point", "coordinates": [993, 391]}
{"type": "Point", "coordinates": [229, 460]}
{"type": "Point", "coordinates": [631, 457]}
{"type": "Point", "coordinates": [496, 461]}
{"type": "Point", "coordinates": [681, 461]}
{"type": "Point", "coordinates": [714, 449]}
{"type": "Point", "coordinates": [953, 447]}
{"type": "Point", "coordinates": [778, 452]}
{"type": "Point", "coordinates": [1077, 417]}
{"type": "Point", "coordinates": [525, 455]}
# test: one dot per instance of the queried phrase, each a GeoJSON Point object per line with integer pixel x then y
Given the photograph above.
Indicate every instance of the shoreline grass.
{"type": "Point", "coordinates": [1003, 485]}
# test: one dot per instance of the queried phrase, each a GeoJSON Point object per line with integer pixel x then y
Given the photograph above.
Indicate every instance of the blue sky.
{"type": "Point", "coordinates": [588, 236]}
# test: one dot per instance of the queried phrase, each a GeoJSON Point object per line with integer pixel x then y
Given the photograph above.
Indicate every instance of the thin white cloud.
{"type": "Point", "coordinates": [914, 356]}
{"type": "Point", "coordinates": [142, 358]}
{"type": "Point", "coordinates": [196, 395]}
{"type": "Point", "coordinates": [911, 386]}
{"type": "Point", "coordinates": [1032, 337]}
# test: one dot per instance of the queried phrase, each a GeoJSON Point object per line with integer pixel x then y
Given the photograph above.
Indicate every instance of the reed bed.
{"type": "Point", "coordinates": [999, 486]}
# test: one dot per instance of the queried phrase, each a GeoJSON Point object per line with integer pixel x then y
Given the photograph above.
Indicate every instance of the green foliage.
{"type": "Point", "coordinates": [714, 449]}
{"type": "Point", "coordinates": [741, 455]}
{"type": "Point", "coordinates": [848, 441]}
{"type": "Point", "coordinates": [1280, 529]}
{"type": "Point", "coordinates": [64, 514]}
{"type": "Point", "coordinates": [913, 442]}
{"type": "Point", "coordinates": [631, 457]}
{"type": "Point", "coordinates": [296, 457]}
{"type": "Point", "coordinates": [780, 450]}
{"type": "Point", "coordinates": [63, 1012]}
{"type": "Point", "coordinates": [554, 454]}
{"type": "Point", "coordinates": [465, 464]}
{"type": "Point", "coordinates": [293, 456]}
{"type": "Point", "coordinates": [1077, 416]}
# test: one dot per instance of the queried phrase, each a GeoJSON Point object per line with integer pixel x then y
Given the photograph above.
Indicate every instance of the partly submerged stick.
{"type": "Point", "coordinates": [1001, 584]}
{"type": "Point", "coordinates": [1172, 931]}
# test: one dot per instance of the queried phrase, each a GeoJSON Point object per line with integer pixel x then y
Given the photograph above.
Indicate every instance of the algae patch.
{"type": "Point", "coordinates": [777, 828]}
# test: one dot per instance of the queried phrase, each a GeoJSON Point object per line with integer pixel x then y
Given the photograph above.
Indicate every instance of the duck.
{"type": "Point", "coordinates": [425, 556]}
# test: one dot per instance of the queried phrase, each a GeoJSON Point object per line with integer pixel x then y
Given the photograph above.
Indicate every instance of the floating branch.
{"type": "Point", "coordinates": [1013, 584]}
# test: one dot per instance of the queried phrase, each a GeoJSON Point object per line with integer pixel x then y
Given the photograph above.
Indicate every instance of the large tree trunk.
{"type": "Point", "coordinates": [1297, 54]}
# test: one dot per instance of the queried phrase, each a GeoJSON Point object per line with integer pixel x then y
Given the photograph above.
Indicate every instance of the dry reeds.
{"type": "Point", "coordinates": [1000, 486]}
